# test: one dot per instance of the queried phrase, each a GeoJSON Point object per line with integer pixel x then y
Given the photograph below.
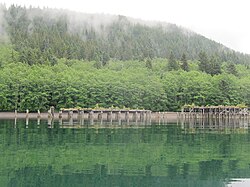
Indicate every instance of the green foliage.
{"type": "Point", "coordinates": [184, 63]}
{"type": "Point", "coordinates": [149, 64]}
{"type": "Point", "coordinates": [215, 67]}
{"type": "Point", "coordinates": [172, 63]}
{"type": "Point", "coordinates": [242, 105]}
{"type": "Point", "coordinates": [210, 66]}
{"type": "Point", "coordinates": [231, 68]}
{"type": "Point", "coordinates": [74, 83]}
{"type": "Point", "coordinates": [203, 65]}
{"type": "Point", "coordinates": [7, 55]}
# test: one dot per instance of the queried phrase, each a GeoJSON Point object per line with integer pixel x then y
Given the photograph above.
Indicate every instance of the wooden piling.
{"type": "Point", "coordinates": [70, 114]}
{"type": "Point", "coordinates": [109, 116]}
{"type": "Point", "coordinates": [52, 109]}
{"type": "Point", "coordinates": [15, 113]}
{"type": "Point", "coordinates": [100, 115]}
{"type": "Point", "coordinates": [91, 117]}
{"type": "Point", "coordinates": [49, 113]}
{"type": "Point", "coordinates": [127, 116]}
{"type": "Point", "coordinates": [60, 114]}
{"type": "Point", "coordinates": [27, 113]}
{"type": "Point", "coordinates": [118, 115]}
{"type": "Point", "coordinates": [38, 114]}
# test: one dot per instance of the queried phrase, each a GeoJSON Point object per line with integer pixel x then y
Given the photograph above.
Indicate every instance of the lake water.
{"type": "Point", "coordinates": [158, 154]}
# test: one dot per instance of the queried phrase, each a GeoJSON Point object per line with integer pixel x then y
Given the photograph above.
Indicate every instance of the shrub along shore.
{"type": "Point", "coordinates": [130, 84]}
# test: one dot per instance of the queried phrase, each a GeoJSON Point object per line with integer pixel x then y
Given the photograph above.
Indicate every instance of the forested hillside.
{"type": "Point", "coordinates": [41, 35]}
{"type": "Point", "coordinates": [67, 59]}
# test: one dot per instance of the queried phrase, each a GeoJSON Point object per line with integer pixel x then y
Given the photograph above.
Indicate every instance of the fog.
{"type": "Point", "coordinates": [79, 22]}
{"type": "Point", "coordinates": [4, 37]}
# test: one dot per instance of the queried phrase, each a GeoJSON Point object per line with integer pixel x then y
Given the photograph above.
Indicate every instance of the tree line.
{"type": "Point", "coordinates": [130, 84]}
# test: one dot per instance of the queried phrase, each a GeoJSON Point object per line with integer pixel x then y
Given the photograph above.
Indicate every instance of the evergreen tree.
{"type": "Point", "coordinates": [231, 68]}
{"type": "Point", "coordinates": [172, 63]}
{"type": "Point", "coordinates": [203, 65]}
{"type": "Point", "coordinates": [104, 58]}
{"type": "Point", "coordinates": [149, 63]}
{"type": "Point", "coordinates": [214, 66]}
{"type": "Point", "coordinates": [184, 63]}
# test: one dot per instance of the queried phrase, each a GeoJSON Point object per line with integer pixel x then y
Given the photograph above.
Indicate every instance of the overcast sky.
{"type": "Point", "coordinates": [225, 21]}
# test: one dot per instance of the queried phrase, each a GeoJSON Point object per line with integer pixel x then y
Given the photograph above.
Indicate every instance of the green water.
{"type": "Point", "coordinates": [35, 154]}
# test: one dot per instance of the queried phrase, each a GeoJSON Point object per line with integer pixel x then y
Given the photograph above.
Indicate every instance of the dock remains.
{"type": "Point", "coordinates": [214, 111]}
{"type": "Point", "coordinates": [108, 114]}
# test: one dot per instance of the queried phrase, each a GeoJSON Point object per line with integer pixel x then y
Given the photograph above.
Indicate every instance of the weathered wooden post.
{"type": "Point", "coordinates": [82, 114]}
{"type": "Point", "coordinates": [144, 117]}
{"type": "Point", "coordinates": [49, 113]}
{"type": "Point", "coordinates": [119, 117]}
{"type": "Point", "coordinates": [82, 117]}
{"type": "Point", "coordinates": [27, 113]}
{"type": "Point", "coordinates": [52, 111]}
{"type": "Point", "coordinates": [70, 114]}
{"type": "Point", "coordinates": [135, 115]}
{"type": "Point", "coordinates": [182, 113]}
{"type": "Point", "coordinates": [159, 117]}
{"type": "Point", "coordinates": [60, 114]}
{"type": "Point", "coordinates": [91, 117]}
{"type": "Point", "coordinates": [141, 116]}
{"type": "Point", "coordinates": [150, 116]}
{"type": "Point", "coordinates": [78, 114]}
{"type": "Point", "coordinates": [100, 115]}
{"type": "Point", "coordinates": [127, 116]}
{"type": "Point", "coordinates": [38, 114]}
{"type": "Point", "coordinates": [15, 113]}
{"type": "Point", "coordinates": [109, 116]}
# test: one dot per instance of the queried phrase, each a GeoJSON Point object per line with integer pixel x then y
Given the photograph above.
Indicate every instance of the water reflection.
{"type": "Point", "coordinates": [220, 124]}
{"type": "Point", "coordinates": [214, 123]}
{"type": "Point", "coordinates": [83, 152]}
{"type": "Point", "coordinates": [239, 183]}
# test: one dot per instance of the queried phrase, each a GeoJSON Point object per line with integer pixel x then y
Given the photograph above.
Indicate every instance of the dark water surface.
{"type": "Point", "coordinates": [170, 154]}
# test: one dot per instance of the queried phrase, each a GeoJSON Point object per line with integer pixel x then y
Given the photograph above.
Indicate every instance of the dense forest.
{"type": "Point", "coordinates": [67, 59]}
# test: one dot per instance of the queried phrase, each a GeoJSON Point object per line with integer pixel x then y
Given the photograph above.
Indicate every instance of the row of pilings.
{"type": "Point", "coordinates": [97, 115]}
{"type": "Point", "coordinates": [215, 117]}
{"type": "Point", "coordinates": [107, 114]}
{"type": "Point", "coordinates": [202, 116]}
{"type": "Point", "coordinates": [217, 111]}
{"type": "Point", "coordinates": [118, 115]}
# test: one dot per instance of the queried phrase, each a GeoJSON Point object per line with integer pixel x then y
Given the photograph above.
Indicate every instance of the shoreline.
{"type": "Point", "coordinates": [32, 115]}
{"type": "Point", "coordinates": [44, 115]}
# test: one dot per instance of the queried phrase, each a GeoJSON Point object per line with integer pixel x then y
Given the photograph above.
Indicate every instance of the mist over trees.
{"type": "Point", "coordinates": [41, 35]}
{"type": "Point", "coordinates": [67, 59]}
